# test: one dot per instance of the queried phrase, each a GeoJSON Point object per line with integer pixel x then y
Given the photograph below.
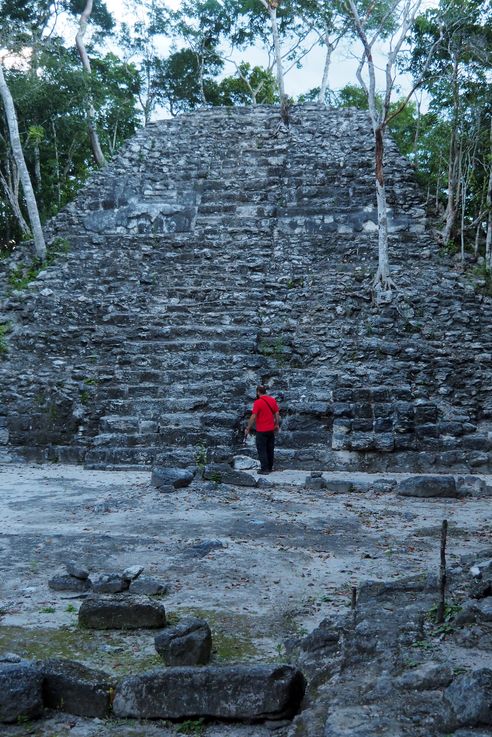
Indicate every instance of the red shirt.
{"type": "Point", "coordinates": [265, 420]}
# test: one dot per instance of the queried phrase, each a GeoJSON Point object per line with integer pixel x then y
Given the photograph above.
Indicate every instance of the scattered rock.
{"type": "Point", "coordinates": [149, 586]}
{"type": "Point", "coordinates": [469, 699]}
{"type": "Point", "coordinates": [240, 692]}
{"type": "Point", "coordinates": [21, 695]}
{"type": "Point", "coordinates": [426, 677]}
{"type": "Point", "coordinates": [110, 583]}
{"type": "Point", "coordinates": [169, 479]}
{"type": "Point", "coordinates": [428, 486]}
{"type": "Point", "coordinates": [69, 583]}
{"type": "Point", "coordinates": [133, 572]}
{"type": "Point", "coordinates": [205, 547]}
{"type": "Point", "coordinates": [71, 687]}
{"type": "Point", "coordinates": [245, 463]}
{"type": "Point", "coordinates": [222, 473]}
{"type": "Point", "coordinates": [187, 643]}
{"type": "Point", "coordinates": [125, 612]}
{"type": "Point", "coordinates": [76, 570]}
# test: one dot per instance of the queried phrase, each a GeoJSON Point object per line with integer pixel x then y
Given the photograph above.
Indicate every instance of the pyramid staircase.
{"type": "Point", "coordinates": [224, 248]}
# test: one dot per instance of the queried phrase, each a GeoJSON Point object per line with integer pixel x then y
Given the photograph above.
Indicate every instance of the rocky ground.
{"type": "Point", "coordinates": [264, 566]}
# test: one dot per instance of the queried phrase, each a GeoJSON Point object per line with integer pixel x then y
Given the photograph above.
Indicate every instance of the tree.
{"type": "Point", "coordinates": [459, 85]}
{"type": "Point", "coordinates": [402, 14]}
{"type": "Point", "coordinates": [32, 207]}
{"type": "Point", "coordinates": [91, 113]}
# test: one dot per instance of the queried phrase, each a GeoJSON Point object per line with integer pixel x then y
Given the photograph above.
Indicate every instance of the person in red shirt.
{"type": "Point", "coordinates": [266, 416]}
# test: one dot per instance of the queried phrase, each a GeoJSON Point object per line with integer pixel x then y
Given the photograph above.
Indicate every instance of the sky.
{"type": "Point", "coordinates": [342, 71]}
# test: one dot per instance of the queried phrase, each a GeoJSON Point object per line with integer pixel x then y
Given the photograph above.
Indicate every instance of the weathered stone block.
{"type": "Point", "coordinates": [428, 486]}
{"type": "Point", "coordinates": [69, 583]}
{"type": "Point", "coordinates": [77, 570]}
{"type": "Point", "coordinates": [426, 677]}
{"type": "Point", "coordinates": [168, 479]}
{"type": "Point", "coordinates": [187, 643]}
{"type": "Point", "coordinates": [125, 612]}
{"type": "Point", "coordinates": [21, 695]}
{"type": "Point", "coordinates": [239, 692]}
{"type": "Point", "coordinates": [469, 700]}
{"type": "Point", "coordinates": [384, 442]}
{"type": "Point", "coordinates": [110, 583]}
{"type": "Point", "coordinates": [425, 414]}
{"type": "Point", "coordinates": [224, 474]}
{"type": "Point", "coordinates": [71, 687]}
{"type": "Point", "coordinates": [148, 586]}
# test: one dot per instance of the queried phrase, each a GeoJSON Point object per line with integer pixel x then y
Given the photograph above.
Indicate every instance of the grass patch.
{"type": "Point", "coordinates": [24, 274]}
{"type": "Point", "coordinates": [120, 653]}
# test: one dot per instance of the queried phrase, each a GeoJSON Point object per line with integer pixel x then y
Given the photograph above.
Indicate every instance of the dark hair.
{"type": "Point", "coordinates": [261, 389]}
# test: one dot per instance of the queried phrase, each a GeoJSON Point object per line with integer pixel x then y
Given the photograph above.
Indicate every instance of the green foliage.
{"type": "Point", "coordinates": [191, 726]}
{"type": "Point", "coordinates": [5, 329]}
{"type": "Point", "coordinates": [273, 349]}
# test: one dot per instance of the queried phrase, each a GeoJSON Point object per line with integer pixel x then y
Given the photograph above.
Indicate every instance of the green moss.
{"type": "Point", "coordinates": [233, 635]}
{"type": "Point", "coordinates": [126, 653]}
{"type": "Point", "coordinates": [5, 329]}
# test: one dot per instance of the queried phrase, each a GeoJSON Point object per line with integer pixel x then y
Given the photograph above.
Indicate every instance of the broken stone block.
{"type": "Point", "coordinates": [315, 482]}
{"type": "Point", "coordinates": [71, 687]}
{"type": "Point", "coordinates": [426, 677]}
{"type": "Point", "coordinates": [187, 643]}
{"type": "Point", "coordinates": [125, 612]}
{"type": "Point", "coordinates": [21, 695]}
{"type": "Point", "coordinates": [149, 586]}
{"type": "Point", "coordinates": [428, 486]}
{"type": "Point", "coordinates": [76, 570]}
{"type": "Point", "coordinates": [169, 479]}
{"type": "Point", "coordinates": [222, 473]}
{"type": "Point", "coordinates": [245, 463]}
{"type": "Point", "coordinates": [69, 583]}
{"type": "Point", "coordinates": [241, 692]}
{"type": "Point", "coordinates": [133, 572]}
{"type": "Point", "coordinates": [469, 700]}
{"type": "Point", "coordinates": [110, 583]}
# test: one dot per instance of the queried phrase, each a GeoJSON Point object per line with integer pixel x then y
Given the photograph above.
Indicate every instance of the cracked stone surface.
{"type": "Point", "coordinates": [280, 559]}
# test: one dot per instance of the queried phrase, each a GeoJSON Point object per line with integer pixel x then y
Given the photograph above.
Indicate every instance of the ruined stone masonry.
{"type": "Point", "coordinates": [222, 248]}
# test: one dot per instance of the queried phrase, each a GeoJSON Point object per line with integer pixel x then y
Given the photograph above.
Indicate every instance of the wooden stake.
{"type": "Point", "coordinates": [441, 609]}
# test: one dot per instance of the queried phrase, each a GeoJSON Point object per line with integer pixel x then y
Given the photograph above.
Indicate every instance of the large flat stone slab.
{"type": "Point", "coordinates": [124, 612]}
{"type": "Point", "coordinates": [429, 486]}
{"type": "Point", "coordinates": [71, 687]}
{"type": "Point", "coordinates": [239, 692]}
{"type": "Point", "coordinates": [21, 695]}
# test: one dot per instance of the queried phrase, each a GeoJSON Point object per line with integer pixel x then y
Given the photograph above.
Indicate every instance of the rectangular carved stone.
{"type": "Point", "coordinates": [71, 687]}
{"type": "Point", "coordinates": [241, 692]}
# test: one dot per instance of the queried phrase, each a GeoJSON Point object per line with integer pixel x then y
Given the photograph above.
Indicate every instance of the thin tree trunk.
{"type": "Point", "coordinates": [488, 239]}
{"type": "Point", "coordinates": [12, 194]}
{"type": "Point", "coordinates": [32, 207]}
{"type": "Point", "coordinates": [453, 166]}
{"type": "Point", "coordinates": [91, 113]}
{"type": "Point", "coordinates": [324, 82]}
{"type": "Point", "coordinates": [271, 7]}
{"type": "Point", "coordinates": [57, 163]}
{"type": "Point", "coordinates": [382, 280]}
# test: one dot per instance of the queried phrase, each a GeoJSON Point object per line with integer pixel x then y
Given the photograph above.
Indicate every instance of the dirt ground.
{"type": "Point", "coordinates": [261, 565]}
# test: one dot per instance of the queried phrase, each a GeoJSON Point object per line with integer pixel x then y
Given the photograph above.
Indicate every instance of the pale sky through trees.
{"type": "Point", "coordinates": [342, 71]}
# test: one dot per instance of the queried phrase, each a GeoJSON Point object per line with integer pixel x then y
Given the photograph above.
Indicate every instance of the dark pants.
{"type": "Point", "coordinates": [265, 445]}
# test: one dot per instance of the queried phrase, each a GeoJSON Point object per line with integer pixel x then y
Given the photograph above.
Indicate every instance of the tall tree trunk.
{"type": "Point", "coordinates": [271, 7]}
{"type": "Point", "coordinates": [32, 207]}
{"type": "Point", "coordinates": [324, 82]}
{"type": "Point", "coordinates": [488, 240]}
{"type": "Point", "coordinates": [91, 113]}
{"type": "Point", "coordinates": [382, 280]}
{"type": "Point", "coordinates": [453, 166]}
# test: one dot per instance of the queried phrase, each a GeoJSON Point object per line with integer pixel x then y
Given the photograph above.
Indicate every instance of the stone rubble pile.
{"type": "Point", "coordinates": [387, 668]}
{"type": "Point", "coordinates": [220, 249]}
